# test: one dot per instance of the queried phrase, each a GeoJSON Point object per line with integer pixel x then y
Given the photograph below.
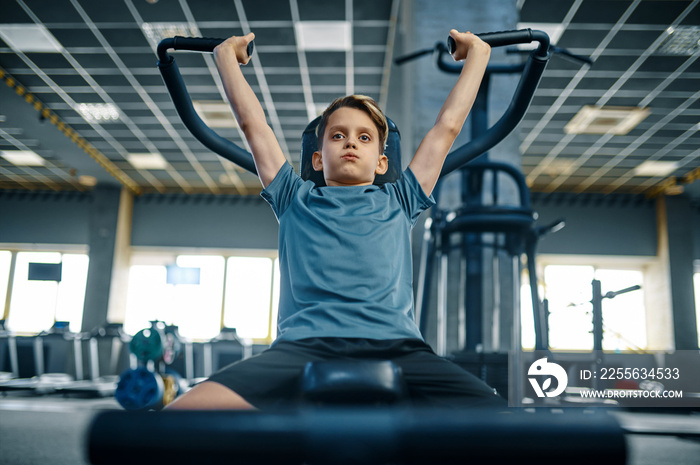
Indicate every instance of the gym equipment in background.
{"type": "Point", "coordinates": [486, 219]}
{"type": "Point", "coordinates": [50, 352]}
{"type": "Point", "coordinates": [152, 384]}
{"type": "Point", "coordinates": [99, 383]}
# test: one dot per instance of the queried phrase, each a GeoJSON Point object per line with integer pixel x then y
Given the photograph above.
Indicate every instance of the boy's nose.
{"type": "Point", "coordinates": [350, 143]}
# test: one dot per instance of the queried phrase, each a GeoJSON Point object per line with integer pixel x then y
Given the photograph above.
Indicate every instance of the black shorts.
{"type": "Point", "coordinates": [271, 379]}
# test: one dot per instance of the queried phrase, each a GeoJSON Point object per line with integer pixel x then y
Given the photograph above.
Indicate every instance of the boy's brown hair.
{"type": "Point", "coordinates": [360, 102]}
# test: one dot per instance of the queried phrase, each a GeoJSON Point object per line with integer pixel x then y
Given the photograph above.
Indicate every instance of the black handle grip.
{"type": "Point", "coordinates": [195, 44]}
{"type": "Point", "coordinates": [498, 39]}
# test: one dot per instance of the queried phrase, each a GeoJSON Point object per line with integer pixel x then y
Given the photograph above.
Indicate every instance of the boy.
{"type": "Point", "coordinates": [345, 258]}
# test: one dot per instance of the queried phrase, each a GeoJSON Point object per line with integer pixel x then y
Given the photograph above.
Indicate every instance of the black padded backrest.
{"type": "Point", "coordinates": [309, 144]}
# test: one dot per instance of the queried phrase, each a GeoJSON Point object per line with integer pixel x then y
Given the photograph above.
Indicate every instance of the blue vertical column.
{"type": "Point", "coordinates": [680, 257]}
{"type": "Point", "coordinates": [102, 234]}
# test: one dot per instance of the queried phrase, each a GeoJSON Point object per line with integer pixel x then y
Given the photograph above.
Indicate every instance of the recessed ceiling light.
{"type": "Point", "coordinates": [558, 167]}
{"type": "Point", "coordinates": [225, 178]}
{"type": "Point", "coordinates": [655, 168]}
{"type": "Point", "coordinates": [23, 157]}
{"type": "Point", "coordinates": [553, 30]}
{"type": "Point", "coordinates": [147, 161]}
{"type": "Point", "coordinates": [216, 114]}
{"type": "Point", "coordinates": [681, 40]}
{"type": "Point", "coordinates": [323, 35]}
{"type": "Point", "coordinates": [99, 112]}
{"type": "Point", "coordinates": [155, 32]}
{"type": "Point", "coordinates": [29, 38]}
{"type": "Point", "coordinates": [89, 181]}
{"type": "Point", "coordinates": [603, 120]}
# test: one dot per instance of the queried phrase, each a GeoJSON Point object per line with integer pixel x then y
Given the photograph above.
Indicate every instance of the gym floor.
{"type": "Point", "coordinates": [40, 430]}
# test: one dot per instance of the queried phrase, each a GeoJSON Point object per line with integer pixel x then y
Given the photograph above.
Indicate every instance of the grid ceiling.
{"type": "Point", "coordinates": [625, 39]}
{"type": "Point", "coordinates": [106, 58]}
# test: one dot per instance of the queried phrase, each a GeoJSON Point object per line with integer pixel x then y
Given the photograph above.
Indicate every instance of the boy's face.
{"type": "Point", "coordinates": [351, 153]}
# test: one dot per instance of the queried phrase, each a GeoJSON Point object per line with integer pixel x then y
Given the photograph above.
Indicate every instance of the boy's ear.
{"type": "Point", "coordinates": [316, 161]}
{"type": "Point", "coordinates": [382, 165]}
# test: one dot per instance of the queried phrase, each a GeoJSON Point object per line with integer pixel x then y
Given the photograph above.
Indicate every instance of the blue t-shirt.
{"type": "Point", "coordinates": [345, 257]}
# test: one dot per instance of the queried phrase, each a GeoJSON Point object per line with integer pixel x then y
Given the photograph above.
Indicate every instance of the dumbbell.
{"type": "Point", "coordinates": [143, 389]}
{"type": "Point", "coordinates": [148, 344]}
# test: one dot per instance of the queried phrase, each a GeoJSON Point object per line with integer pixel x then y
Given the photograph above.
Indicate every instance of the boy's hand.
{"type": "Point", "coordinates": [238, 45]}
{"type": "Point", "coordinates": [467, 42]}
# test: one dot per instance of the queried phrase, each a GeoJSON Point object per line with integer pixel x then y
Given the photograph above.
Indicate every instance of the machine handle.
{"type": "Point", "coordinates": [194, 44]}
{"type": "Point", "coordinates": [183, 102]}
{"type": "Point", "coordinates": [498, 39]}
{"type": "Point", "coordinates": [520, 101]}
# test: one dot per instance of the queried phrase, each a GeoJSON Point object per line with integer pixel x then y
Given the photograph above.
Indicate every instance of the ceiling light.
{"type": "Point", "coordinates": [98, 112]}
{"type": "Point", "coordinates": [225, 178]}
{"type": "Point", "coordinates": [29, 38]}
{"type": "Point", "coordinates": [553, 30]}
{"type": "Point", "coordinates": [147, 161]}
{"type": "Point", "coordinates": [558, 167]}
{"type": "Point", "coordinates": [323, 35]}
{"type": "Point", "coordinates": [655, 168]}
{"type": "Point", "coordinates": [681, 40]}
{"type": "Point", "coordinates": [155, 32]}
{"type": "Point", "coordinates": [603, 120]}
{"type": "Point", "coordinates": [89, 181]}
{"type": "Point", "coordinates": [216, 114]}
{"type": "Point", "coordinates": [23, 157]}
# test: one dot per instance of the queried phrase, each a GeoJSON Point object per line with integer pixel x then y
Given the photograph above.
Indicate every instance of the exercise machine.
{"type": "Point", "coordinates": [105, 348]}
{"type": "Point", "coordinates": [356, 434]}
{"type": "Point", "coordinates": [47, 369]}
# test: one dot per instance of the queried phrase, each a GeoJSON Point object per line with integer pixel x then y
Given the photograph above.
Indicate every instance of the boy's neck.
{"type": "Point", "coordinates": [332, 183]}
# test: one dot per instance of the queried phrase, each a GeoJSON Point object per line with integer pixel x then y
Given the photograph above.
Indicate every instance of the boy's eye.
{"type": "Point", "coordinates": [364, 137]}
{"type": "Point", "coordinates": [337, 136]}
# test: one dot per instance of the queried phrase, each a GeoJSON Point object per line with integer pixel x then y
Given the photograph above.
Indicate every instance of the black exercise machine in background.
{"type": "Point", "coordinates": [514, 220]}
{"type": "Point", "coordinates": [484, 209]}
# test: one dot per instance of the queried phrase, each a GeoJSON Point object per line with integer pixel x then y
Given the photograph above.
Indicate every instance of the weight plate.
{"type": "Point", "coordinates": [140, 389]}
{"type": "Point", "coordinates": [147, 344]}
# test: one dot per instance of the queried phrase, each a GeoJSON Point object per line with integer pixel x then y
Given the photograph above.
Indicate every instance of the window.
{"type": "Point", "coordinates": [37, 303]}
{"type": "Point", "coordinates": [194, 307]}
{"type": "Point", "coordinates": [5, 262]}
{"type": "Point", "coordinates": [194, 293]}
{"type": "Point", "coordinates": [249, 286]}
{"type": "Point", "coordinates": [568, 290]}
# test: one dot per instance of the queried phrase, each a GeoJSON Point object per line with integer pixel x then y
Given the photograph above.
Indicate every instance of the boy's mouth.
{"type": "Point", "coordinates": [350, 156]}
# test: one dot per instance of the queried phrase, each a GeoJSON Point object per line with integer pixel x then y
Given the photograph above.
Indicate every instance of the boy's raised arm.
{"type": "Point", "coordinates": [268, 156]}
{"type": "Point", "coordinates": [430, 156]}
